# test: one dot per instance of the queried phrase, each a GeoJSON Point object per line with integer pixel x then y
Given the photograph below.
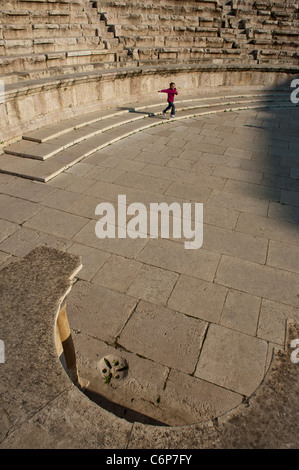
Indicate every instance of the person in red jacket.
{"type": "Point", "coordinates": [171, 91]}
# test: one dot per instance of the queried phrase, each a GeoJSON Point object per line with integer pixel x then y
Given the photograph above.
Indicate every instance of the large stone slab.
{"type": "Point", "coordinates": [17, 210]}
{"type": "Point", "coordinates": [97, 311]}
{"type": "Point", "coordinates": [268, 228]}
{"type": "Point", "coordinates": [21, 242]}
{"type": "Point", "coordinates": [65, 414]}
{"type": "Point", "coordinates": [262, 281]}
{"type": "Point", "coordinates": [28, 190]}
{"type": "Point", "coordinates": [148, 183]}
{"type": "Point", "coordinates": [62, 199]}
{"type": "Point", "coordinates": [197, 298]}
{"type": "Point", "coordinates": [241, 312]}
{"type": "Point", "coordinates": [164, 336]}
{"type": "Point", "coordinates": [232, 360]}
{"type": "Point", "coordinates": [127, 247]}
{"type": "Point", "coordinates": [253, 190]}
{"type": "Point", "coordinates": [239, 202]}
{"type": "Point", "coordinates": [92, 260]}
{"type": "Point", "coordinates": [118, 273]}
{"type": "Point", "coordinates": [173, 256]}
{"type": "Point", "coordinates": [283, 256]}
{"type": "Point", "coordinates": [7, 228]}
{"type": "Point", "coordinates": [272, 321]}
{"type": "Point", "coordinates": [238, 174]}
{"type": "Point", "coordinates": [140, 389]}
{"type": "Point", "coordinates": [189, 192]}
{"type": "Point", "coordinates": [31, 294]}
{"type": "Point", "coordinates": [56, 223]}
{"type": "Point", "coordinates": [153, 284]}
{"type": "Point", "coordinates": [190, 400]}
{"type": "Point", "coordinates": [236, 244]}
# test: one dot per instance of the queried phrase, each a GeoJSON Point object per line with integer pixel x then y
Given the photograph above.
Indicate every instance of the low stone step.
{"type": "Point", "coordinates": [55, 130]}
{"type": "Point", "coordinates": [46, 150]}
{"type": "Point", "coordinates": [46, 170]}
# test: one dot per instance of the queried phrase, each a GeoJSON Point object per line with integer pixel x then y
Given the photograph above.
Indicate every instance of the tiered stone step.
{"type": "Point", "coordinates": [166, 25]}
{"type": "Point", "coordinates": [34, 66]}
{"type": "Point", "coordinates": [42, 38]}
{"type": "Point", "coordinates": [52, 38]}
{"type": "Point", "coordinates": [43, 154]}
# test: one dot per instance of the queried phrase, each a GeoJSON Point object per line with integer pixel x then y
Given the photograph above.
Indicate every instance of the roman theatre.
{"type": "Point", "coordinates": [135, 341]}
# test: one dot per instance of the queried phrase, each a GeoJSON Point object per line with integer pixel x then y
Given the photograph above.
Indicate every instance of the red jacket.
{"type": "Point", "coordinates": [171, 94]}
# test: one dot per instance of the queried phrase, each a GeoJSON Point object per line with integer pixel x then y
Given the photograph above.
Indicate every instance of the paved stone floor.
{"type": "Point", "coordinates": [197, 327]}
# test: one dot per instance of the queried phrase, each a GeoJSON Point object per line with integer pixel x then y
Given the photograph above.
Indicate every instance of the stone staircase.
{"type": "Point", "coordinates": [209, 31]}
{"type": "Point", "coordinates": [46, 152]}
{"type": "Point", "coordinates": [41, 39]}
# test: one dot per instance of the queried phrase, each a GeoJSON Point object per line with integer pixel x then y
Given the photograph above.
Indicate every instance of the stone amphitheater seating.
{"type": "Point", "coordinates": [42, 38]}
{"type": "Point", "coordinates": [51, 49]}
{"type": "Point", "coordinates": [208, 30]}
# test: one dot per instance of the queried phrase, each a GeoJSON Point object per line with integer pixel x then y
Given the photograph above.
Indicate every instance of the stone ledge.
{"type": "Point", "coordinates": [15, 89]}
{"type": "Point", "coordinates": [30, 104]}
{"type": "Point", "coordinates": [34, 384]}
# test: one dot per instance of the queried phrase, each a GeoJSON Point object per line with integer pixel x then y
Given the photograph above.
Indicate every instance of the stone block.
{"type": "Point", "coordinates": [25, 240]}
{"type": "Point", "coordinates": [239, 202]}
{"type": "Point", "coordinates": [232, 360]}
{"type": "Point", "coordinates": [98, 312]}
{"type": "Point", "coordinates": [144, 383]}
{"type": "Point", "coordinates": [197, 298]}
{"type": "Point", "coordinates": [241, 312]}
{"type": "Point", "coordinates": [266, 227]}
{"type": "Point", "coordinates": [181, 405]}
{"type": "Point", "coordinates": [145, 182]}
{"type": "Point", "coordinates": [164, 336]}
{"type": "Point", "coordinates": [283, 256]}
{"type": "Point", "coordinates": [153, 285]}
{"type": "Point", "coordinates": [7, 229]}
{"type": "Point", "coordinates": [283, 212]}
{"type": "Point", "coordinates": [92, 260]}
{"type": "Point", "coordinates": [17, 210]}
{"type": "Point", "coordinates": [118, 273]}
{"type": "Point", "coordinates": [234, 243]}
{"type": "Point", "coordinates": [56, 222]}
{"type": "Point", "coordinates": [272, 321]}
{"type": "Point", "coordinates": [173, 256]}
{"type": "Point", "coordinates": [261, 281]}
{"type": "Point", "coordinates": [127, 247]}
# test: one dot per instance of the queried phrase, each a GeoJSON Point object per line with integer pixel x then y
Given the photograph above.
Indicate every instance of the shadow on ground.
{"type": "Point", "coordinates": [121, 411]}
{"type": "Point", "coordinates": [279, 159]}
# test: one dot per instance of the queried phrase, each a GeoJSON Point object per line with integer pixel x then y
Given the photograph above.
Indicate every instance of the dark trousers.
{"type": "Point", "coordinates": [172, 106]}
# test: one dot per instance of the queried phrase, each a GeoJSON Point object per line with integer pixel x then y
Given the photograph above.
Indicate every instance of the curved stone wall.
{"type": "Point", "coordinates": [33, 105]}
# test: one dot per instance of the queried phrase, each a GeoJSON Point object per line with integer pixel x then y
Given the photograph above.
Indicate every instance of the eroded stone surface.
{"type": "Point", "coordinates": [99, 311]}
{"type": "Point", "coordinates": [233, 360]}
{"type": "Point", "coordinates": [165, 336]}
